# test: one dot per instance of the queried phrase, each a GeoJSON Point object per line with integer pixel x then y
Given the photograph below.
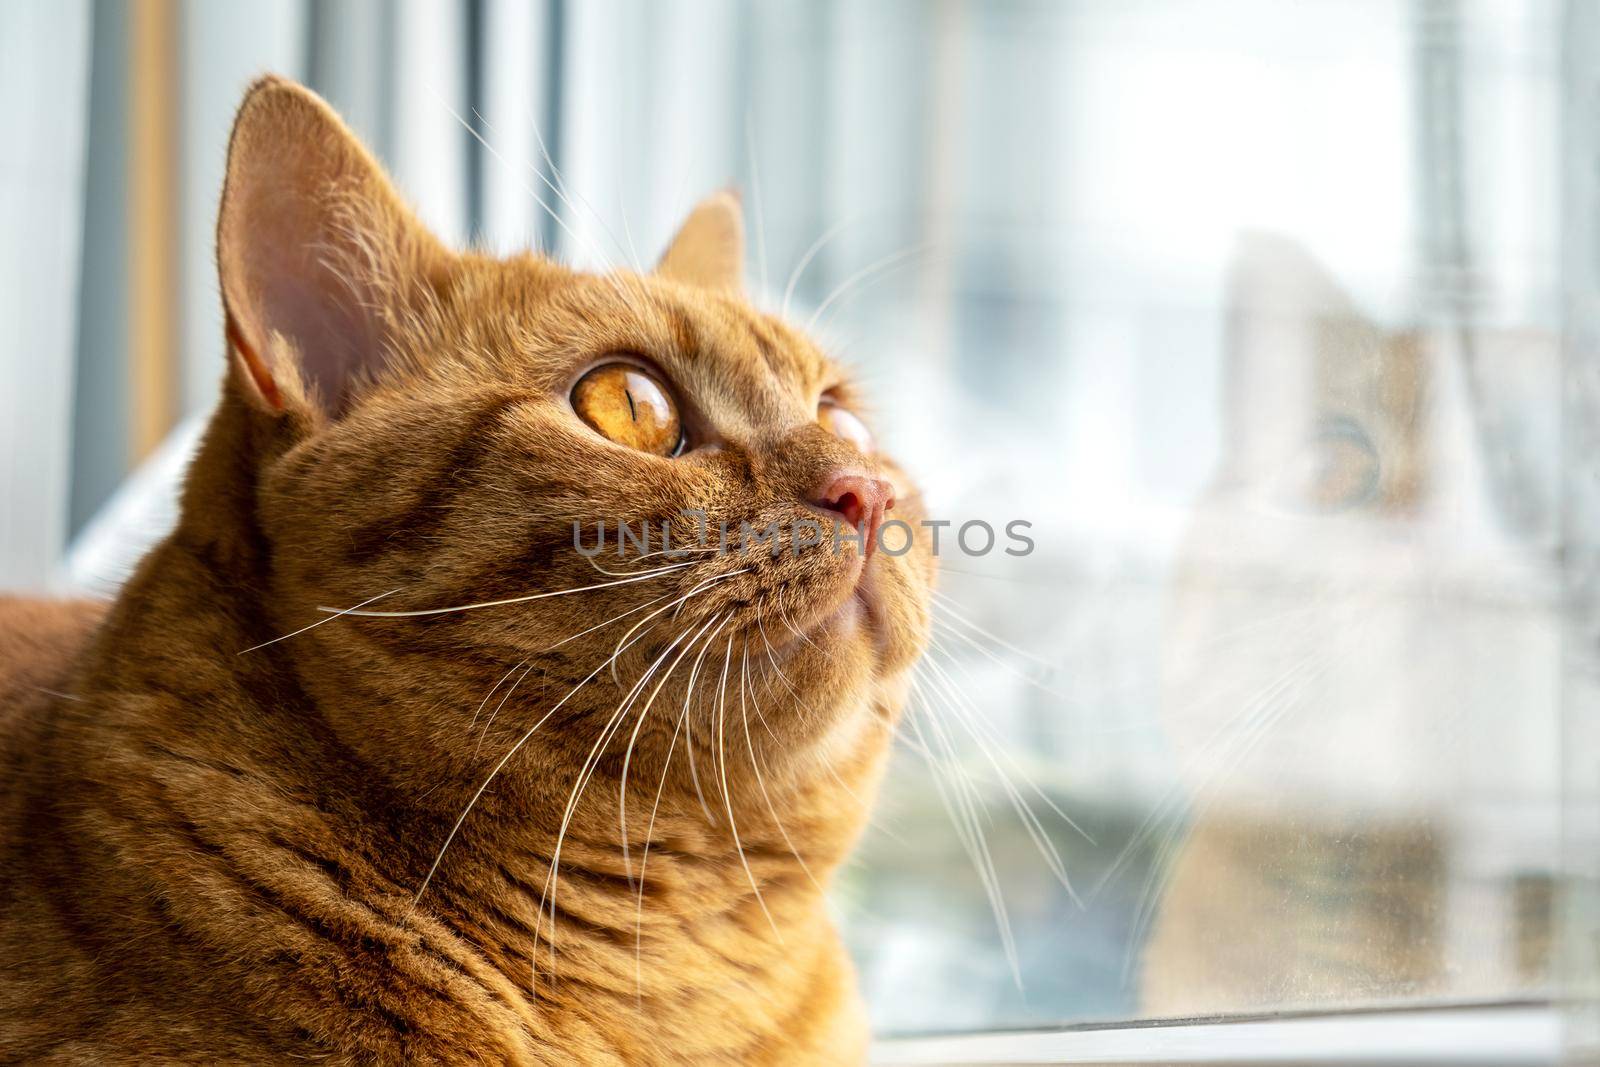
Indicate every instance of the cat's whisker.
{"type": "Point", "coordinates": [1272, 622]}
{"type": "Point", "coordinates": [954, 612]}
{"type": "Point", "coordinates": [1175, 796]}
{"type": "Point", "coordinates": [484, 736]}
{"type": "Point", "coordinates": [755, 766]}
{"type": "Point", "coordinates": [492, 690]}
{"type": "Point", "coordinates": [1242, 743]}
{"type": "Point", "coordinates": [1030, 821]}
{"type": "Point", "coordinates": [715, 578]}
{"type": "Point", "coordinates": [602, 625]}
{"type": "Point", "coordinates": [502, 603]}
{"type": "Point", "coordinates": [962, 808]}
{"type": "Point", "coordinates": [633, 739]}
{"type": "Point", "coordinates": [766, 643]}
{"type": "Point", "coordinates": [971, 804]}
{"type": "Point", "coordinates": [778, 672]}
{"type": "Point", "coordinates": [319, 622]}
{"type": "Point", "coordinates": [585, 773]}
{"type": "Point", "coordinates": [727, 797]}
{"type": "Point", "coordinates": [805, 261]}
{"type": "Point", "coordinates": [940, 626]}
{"type": "Point", "coordinates": [689, 744]}
{"type": "Point", "coordinates": [860, 277]}
{"type": "Point", "coordinates": [784, 618]}
{"type": "Point", "coordinates": [495, 772]}
{"type": "Point", "coordinates": [975, 718]}
{"type": "Point", "coordinates": [644, 862]}
{"type": "Point", "coordinates": [670, 552]}
{"type": "Point", "coordinates": [650, 828]}
{"type": "Point", "coordinates": [678, 603]}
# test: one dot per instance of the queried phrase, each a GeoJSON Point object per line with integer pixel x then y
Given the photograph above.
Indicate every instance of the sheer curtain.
{"type": "Point", "coordinates": [44, 85]}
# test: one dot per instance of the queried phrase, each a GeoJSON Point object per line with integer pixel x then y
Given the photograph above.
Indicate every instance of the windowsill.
{"type": "Point", "coordinates": [1494, 1035]}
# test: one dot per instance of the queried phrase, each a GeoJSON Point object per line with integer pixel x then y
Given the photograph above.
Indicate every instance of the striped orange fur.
{"type": "Point", "coordinates": [225, 847]}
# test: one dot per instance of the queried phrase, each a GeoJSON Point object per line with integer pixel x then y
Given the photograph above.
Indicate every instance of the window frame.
{"type": "Point", "coordinates": [1500, 1034]}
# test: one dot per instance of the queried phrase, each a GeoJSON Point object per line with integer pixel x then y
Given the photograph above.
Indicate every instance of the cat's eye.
{"type": "Point", "coordinates": [627, 404]}
{"type": "Point", "coordinates": [844, 424]}
{"type": "Point", "coordinates": [1338, 469]}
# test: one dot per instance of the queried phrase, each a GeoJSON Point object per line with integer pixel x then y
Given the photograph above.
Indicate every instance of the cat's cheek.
{"type": "Point", "coordinates": [894, 604]}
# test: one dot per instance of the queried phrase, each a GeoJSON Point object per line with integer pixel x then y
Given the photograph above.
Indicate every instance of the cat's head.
{"type": "Point", "coordinates": [427, 427]}
{"type": "Point", "coordinates": [1324, 410]}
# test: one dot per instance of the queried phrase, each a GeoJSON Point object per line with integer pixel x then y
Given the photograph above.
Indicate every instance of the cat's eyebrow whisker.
{"type": "Point", "coordinates": [805, 261]}
{"type": "Point", "coordinates": [727, 797]}
{"type": "Point", "coordinates": [876, 267]}
{"type": "Point", "coordinates": [560, 188]}
{"type": "Point", "coordinates": [319, 622]}
{"type": "Point", "coordinates": [592, 246]}
{"type": "Point", "coordinates": [627, 233]}
{"type": "Point", "coordinates": [755, 196]}
{"type": "Point", "coordinates": [500, 603]}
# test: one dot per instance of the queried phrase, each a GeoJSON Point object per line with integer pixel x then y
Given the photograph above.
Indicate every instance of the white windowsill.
{"type": "Point", "coordinates": [1512, 1035]}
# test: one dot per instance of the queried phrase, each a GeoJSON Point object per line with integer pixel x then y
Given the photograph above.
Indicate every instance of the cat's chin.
{"type": "Point", "coordinates": [858, 617]}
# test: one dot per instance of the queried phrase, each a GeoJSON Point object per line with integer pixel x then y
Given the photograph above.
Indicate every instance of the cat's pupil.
{"type": "Point", "coordinates": [625, 403]}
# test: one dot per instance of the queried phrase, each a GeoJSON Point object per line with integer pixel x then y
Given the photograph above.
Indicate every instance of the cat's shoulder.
{"type": "Point", "coordinates": [39, 640]}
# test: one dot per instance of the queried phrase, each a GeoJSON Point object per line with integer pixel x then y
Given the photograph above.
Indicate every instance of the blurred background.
{"type": "Point", "coordinates": [1278, 322]}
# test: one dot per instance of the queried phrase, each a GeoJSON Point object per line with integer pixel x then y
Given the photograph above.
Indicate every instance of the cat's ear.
{"type": "Point", "coordinates": [1274, 274]}
{"type": "Point", "coordinates": [318, 256]}
{"type": "Point", "coordinates": [1294, 335]}
{"type": "Point", "coordinates": [708, 250]}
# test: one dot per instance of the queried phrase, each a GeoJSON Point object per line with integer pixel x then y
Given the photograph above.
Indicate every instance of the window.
{"type": "Point", "coordinates": [1277, 323]}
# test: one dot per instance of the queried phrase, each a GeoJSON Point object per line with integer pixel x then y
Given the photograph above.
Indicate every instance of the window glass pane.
{"type": "Point", "coordinates": [1240, 325]}
{"type": "Point", "coordinates": [1251, 310]}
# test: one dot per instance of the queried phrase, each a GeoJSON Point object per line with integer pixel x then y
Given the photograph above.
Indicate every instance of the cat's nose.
{"type": "Point", "coordinates": [859, 499]}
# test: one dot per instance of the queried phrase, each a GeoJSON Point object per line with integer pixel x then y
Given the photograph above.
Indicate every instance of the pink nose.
{"type": "Point", "coordinates": [860, 500]}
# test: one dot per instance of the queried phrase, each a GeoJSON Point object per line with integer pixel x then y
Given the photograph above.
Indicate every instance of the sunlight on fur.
{"type": "Point", "coordinates": [366, 764]}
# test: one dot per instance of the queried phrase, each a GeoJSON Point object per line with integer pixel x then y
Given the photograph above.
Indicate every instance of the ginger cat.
{"type": "Point", "coordinates": [1357, 676]}
{"type": "Point", "coordinates": [225, 844]}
